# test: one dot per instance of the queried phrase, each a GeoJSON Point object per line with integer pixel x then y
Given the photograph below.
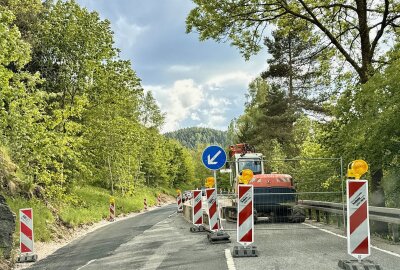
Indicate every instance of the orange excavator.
{"type": "Point", "coordinates": [274, 194]}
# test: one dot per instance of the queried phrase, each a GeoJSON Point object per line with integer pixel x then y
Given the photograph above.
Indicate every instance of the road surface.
{"type": "Point", "coordinates": [160, 239]}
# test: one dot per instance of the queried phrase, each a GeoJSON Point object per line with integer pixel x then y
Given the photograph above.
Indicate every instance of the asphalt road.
{"type": "Point", "coordinates": [160, 239]}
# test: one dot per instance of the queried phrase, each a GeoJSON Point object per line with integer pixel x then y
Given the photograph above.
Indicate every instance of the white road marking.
{"type": "Point", "coordinates": [341, 236]}
{"type": "Point", "coordinates": [89, 262]}
{"type": "Point", "coordinates": [229, 260]}
{"type": "Point", "coordinates": [386, 251]}
{"type": "Point", "coordinates": [338, 235]}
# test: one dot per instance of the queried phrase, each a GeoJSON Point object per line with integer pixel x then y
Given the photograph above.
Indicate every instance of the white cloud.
{"type": "Point", "coordinates": [216, 121]}
{"type": "Point", "coordinates": [194, 116]}
{"type": "Point", "coordinates": [126, 34]}
{"type": "Point", "coordinates": [178, 101]}
{"type": "Point", "coordinates": [181, 68]}
{"type": "Point", "coordinates": [235, 77]}
{"type": "Point", "coordinates": [218, 102]}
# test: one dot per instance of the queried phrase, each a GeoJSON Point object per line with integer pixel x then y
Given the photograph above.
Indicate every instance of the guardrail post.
{"type": "Point", "coordinates": [317, 214]}
{"type": "Point", "coordinates": [326, 214]}
{"type": "Point", "coordinates": [395, 231]}
{"type": "Point", "coordinates": [339, 221]}
{"type": "Point", "coordinates": [310, 214]}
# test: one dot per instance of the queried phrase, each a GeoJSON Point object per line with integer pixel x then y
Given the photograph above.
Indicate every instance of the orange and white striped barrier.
{"type": "Point", "coordinates": [159, 200]}
{"type": "Point", "coordinates": [358, 233]}
{"type": "Point", "coordinates": [179, 203]}
{"type": "Point", "coordinates": [197, 212]}
{"type": "Point", "coordinates": [197, 208]}
{"type": "Point", "coordinates": [213, 214]}
{"type": "Point", "coordinates": [26, 236]}
{"type": "Point", "coordinates": [245, 223]}
{"type": "Point", "coordinates": [112, 209]}
{"type": "Point", "coordinates": [217, 235]}
{"type": "Point", "coordinates": [145, 204]}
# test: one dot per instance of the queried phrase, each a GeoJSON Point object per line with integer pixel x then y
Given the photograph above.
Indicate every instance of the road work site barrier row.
{"type": "Point", "coordinates": [322, 210]}
{"type": "Point", "coordinates": [382, 214]}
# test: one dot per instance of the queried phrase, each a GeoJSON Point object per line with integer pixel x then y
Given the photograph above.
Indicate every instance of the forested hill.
{"type": "Point", "coordinates": [190, 137]}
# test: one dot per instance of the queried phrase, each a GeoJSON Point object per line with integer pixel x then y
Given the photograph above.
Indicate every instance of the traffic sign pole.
{"type": "Point", "coordinates": [214, 158]}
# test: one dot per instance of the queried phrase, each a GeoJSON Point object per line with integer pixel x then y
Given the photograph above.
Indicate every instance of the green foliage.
{"type": "Point", "coordinates": [72, 112]}
{"type": "Point", "coordinates": [43, 220]}
{"type": "Point", "coordinates": [366, 123]}
{"type": "Point", "coordinates": [91, 204]}
{"type": "Point", "coordinates": [350, 29]}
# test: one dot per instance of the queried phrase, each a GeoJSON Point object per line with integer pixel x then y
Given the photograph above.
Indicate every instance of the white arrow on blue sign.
{"type": "Point", "coordinates": [214, 157]}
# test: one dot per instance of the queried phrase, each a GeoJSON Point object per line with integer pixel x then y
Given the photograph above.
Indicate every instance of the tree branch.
{"type": "Point", "coordinates": [335, 5]}
{"type": "Point", "coordinates": [334, 41]}
{"type": "Point", "coordinates": [381, 30]}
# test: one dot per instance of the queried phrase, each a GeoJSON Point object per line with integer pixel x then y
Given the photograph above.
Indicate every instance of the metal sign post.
{"type": "Point", "coordinates": [214, 158]}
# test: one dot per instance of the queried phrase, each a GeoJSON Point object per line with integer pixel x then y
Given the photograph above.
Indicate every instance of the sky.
{"type": "Point", "coordinates": [195, 83]}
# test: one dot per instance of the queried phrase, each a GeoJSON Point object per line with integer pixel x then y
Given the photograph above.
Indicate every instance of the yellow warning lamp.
{"type": "Point", "coordinates": [357, 168]}
{"type": "Point", "coordinates": [246, 176]}
{"type": "Point", "coordinates": [178, 191]}
{"type": "Point", "coordinates": [112, 200]}
{"type": "Point", "coordinates": [210, 181]}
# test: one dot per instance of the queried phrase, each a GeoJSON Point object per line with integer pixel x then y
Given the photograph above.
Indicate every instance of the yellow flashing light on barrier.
{"type": "Point", "coordinates": [246, 176]}
{"type": "Point", "coordinates": [112, 200]}
{"type": "Point", "coordinates": [210, 181]}
{"type": "Point", "coordinates": [178, 191]}
{"type": "Point", "coordinates": [357, 168]}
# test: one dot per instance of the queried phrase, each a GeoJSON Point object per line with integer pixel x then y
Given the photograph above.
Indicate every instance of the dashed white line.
{"type": "Point", "coordinates": [341, 236]}
{"type": "Point", "coordinates": [229, 260]}
{"type": "Point", "coordinates": [89, 262]}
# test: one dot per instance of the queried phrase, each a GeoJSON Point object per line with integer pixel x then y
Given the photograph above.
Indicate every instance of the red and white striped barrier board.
{"type": "Point", "coordinates": [26, 230]}
{"type": "Point", "coordinates": [197, 208]}
{"type": "Point", "coordinates": [112, 211]}
{"type": "Point", "coordinates": [358, 234]}
{"type": "Point", "coordinates": [245, 222]}
{"type": "Point", "coordinates": [213, 214]}
{"type": "Point", "coordinates": [179, 203]}
{"type": "Point", "coordinates": [159, 200]}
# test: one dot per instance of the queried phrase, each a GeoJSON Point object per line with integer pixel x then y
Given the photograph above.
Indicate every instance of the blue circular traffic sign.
{"type": "Point", "coordinates": [214, 157]}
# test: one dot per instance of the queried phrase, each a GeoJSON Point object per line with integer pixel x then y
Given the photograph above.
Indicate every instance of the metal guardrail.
{"type": "Point", "coordinates": [383, 214]}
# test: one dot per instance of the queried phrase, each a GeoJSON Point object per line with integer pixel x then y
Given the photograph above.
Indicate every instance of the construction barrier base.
{"type": "Point", "coordinates": [27, 258]}
{"type": "Point", "coordinates": [196, 229]}
{"type": "Point", "coordinates": [356, 265]}
{"type": "Point", "coordinates": [219, 237]}
{"type": "Point", "coordinates": [241, 251]}
{"type": "Point", "coordinates": [179, 211]}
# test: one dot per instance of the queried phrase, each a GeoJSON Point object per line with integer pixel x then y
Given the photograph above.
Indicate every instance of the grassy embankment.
{"type": "Point", "coordinates": [90, 205]}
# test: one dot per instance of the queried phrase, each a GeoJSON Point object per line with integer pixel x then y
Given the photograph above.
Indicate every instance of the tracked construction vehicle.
{"type": "Point", "coordinates": [275, 197]}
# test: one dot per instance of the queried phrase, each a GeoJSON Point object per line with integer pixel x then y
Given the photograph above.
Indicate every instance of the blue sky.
{"type": "Point", "coordinates": [195, 83]}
